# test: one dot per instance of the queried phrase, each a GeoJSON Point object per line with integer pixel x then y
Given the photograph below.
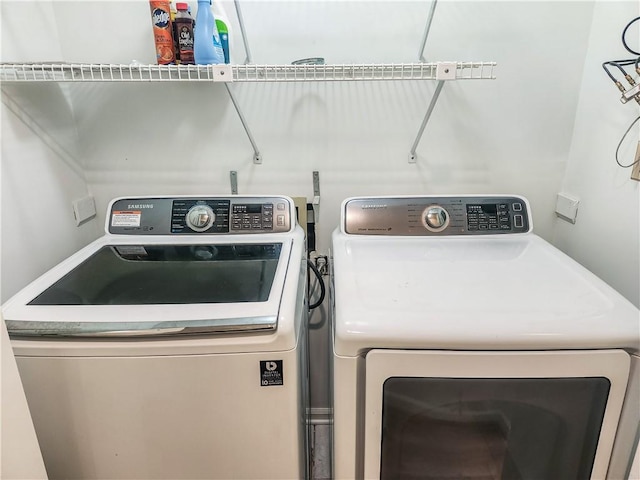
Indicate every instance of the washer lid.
{"type": "Point", "coordinates": [487, 293]}
{"type": "Point", "coordinates": [154, 287]}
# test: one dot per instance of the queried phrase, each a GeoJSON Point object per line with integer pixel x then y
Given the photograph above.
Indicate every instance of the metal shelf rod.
{"type": "Point", "coordinates": [257, 158]}
{"type": "Point", "coordinates": [427, 28]}
{"type": "Point", "coordinates": [245, 41]}
{"type": "Point", "coordinates": [412, 154]}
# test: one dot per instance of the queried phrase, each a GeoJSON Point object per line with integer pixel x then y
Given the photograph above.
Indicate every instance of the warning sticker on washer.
{"type": "Point", "coordinates": [126, 218]}
{"type": "Point", "coordinates": [271, 373]}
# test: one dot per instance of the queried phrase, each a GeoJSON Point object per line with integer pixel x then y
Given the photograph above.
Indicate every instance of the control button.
{"type": "Point", "coordinates": [503, 206]}
{"type": "Point", "coordinates": [505, 227]}
{"type": "Point", "coordinates": [493, 227]}
{"type": "Point", "coordinates": [281, 206]}
{"type": "Point", "coordinates": [517, 207]}
{"type": "Point", "coordinates": [484, 227]}
{"type": "Point", "coordinates": [280, 220]}
{"type": "Point", "coordinates": [435, 218]}
{"type": "Point", "coordinates": [200, 218]}
{"type": "Point", "coordinates": [472, 227]}
{"type": "Point", "coordinates": [518, 221]}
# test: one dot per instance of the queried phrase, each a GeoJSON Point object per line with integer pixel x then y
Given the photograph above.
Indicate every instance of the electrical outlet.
{"type": "Point", "coordinates": [635, 171]}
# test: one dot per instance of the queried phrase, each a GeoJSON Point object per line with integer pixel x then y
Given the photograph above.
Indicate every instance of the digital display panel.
{"type": "Point", "coordinates": [487, 209]}
{"type": "Point", "coordinates": [253, 208]}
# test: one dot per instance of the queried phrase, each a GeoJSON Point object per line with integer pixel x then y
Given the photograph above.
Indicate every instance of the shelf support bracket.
{"type": "Point", "coordinates": [233, 179]}
{"type": "Point", "coordinates": [427, 27]}
{"type": "Point", "coordinates": [243, 32]}
{"type": "Point", "coordinates": [316, 194]}
{"type": "Point", "coordinates": [257, 158]}
{"type": "Point", "coordinates": [412, 154]}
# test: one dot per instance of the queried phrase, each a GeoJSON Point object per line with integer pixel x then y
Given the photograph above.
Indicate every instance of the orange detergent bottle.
{"type": "Point", "coordinates": [162, 31]}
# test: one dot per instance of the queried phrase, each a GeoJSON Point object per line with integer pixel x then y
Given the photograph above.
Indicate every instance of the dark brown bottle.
{"type": "Point", "coordinates": [184, 31]}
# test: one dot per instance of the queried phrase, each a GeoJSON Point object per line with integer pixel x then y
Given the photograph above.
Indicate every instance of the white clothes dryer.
{"type": "Point", "coordinates": [172, 347]}
{"type": "Point", "coordinates": [465, 346]}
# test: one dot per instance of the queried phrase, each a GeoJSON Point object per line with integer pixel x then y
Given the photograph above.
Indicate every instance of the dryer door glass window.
{"type": "Point", "coordinates": [491, 429]}
{"type": "Point", "coordinates": [168, 274]}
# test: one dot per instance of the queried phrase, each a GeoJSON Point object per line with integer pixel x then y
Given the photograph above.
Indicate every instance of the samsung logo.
{"type": "Point", "coordinates": [371, 206]}
{"type": "Point", "coordinates": [139, 205]}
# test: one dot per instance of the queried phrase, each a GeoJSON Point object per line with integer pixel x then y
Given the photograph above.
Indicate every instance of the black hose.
{"type": "Point", "coordinates": [320, 282]}
{"type": "Point", "coordinates": [624, 34]}
{"type": "Point", "coordinates": [619, 64]}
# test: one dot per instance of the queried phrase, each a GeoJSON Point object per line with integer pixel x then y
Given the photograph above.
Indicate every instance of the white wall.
{"type": "Point", "coordinates": [40, 179]}
{"type": "Point", "coordinates": [605, 236]}
{"type": "Point", "coordinates": [40, 170]}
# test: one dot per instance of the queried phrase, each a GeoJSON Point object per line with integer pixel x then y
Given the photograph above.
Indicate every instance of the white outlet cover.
{"type": "Point", "coordinates": [567, 207]}
{"type": "Point", "coordinates": [83, 209]}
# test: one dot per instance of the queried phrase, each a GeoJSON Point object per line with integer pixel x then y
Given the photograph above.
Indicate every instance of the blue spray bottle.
{"type": "Point", "coordinates": [206, 49]}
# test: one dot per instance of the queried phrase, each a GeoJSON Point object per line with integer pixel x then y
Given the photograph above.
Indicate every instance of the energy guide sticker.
{"type": "Point", "coordinates": [126, 218]}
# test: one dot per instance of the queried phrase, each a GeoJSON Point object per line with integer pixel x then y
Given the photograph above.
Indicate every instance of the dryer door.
{"type": "Point", "coordinates": [487, 415]}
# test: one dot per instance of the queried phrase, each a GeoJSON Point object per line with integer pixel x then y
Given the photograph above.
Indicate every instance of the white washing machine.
{"type": "Point", "coordinates": [174, 346]}
{"type": "Point", "coordinates": [465, 346]}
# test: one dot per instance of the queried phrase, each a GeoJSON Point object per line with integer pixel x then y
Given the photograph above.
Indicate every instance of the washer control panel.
{"type": "Point", "coordinates": [436, 215]}
{"type": "Point", "coordinates": [200, 215]}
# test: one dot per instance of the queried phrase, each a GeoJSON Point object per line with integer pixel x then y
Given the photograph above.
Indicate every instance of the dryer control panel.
{"type": "Point", "coordinates": [200, 215]}
{"type": "Point", "coordinates": [436, 215]}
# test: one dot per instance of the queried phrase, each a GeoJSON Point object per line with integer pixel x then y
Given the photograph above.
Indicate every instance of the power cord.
{"type": "Point", "coordinates": [323, 292]}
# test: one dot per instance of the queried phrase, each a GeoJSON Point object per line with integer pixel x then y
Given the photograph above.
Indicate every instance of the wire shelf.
{"type": "Point", "coordinates": [56, 72]}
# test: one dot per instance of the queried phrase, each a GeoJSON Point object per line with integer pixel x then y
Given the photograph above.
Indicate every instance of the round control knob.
{"type": "Point", "coordinates": [200, 218]}
{"type": "Point", "coordinates": [435, 218]}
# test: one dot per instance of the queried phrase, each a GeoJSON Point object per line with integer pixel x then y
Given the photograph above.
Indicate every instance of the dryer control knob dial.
{"type": "Point", "coordinates": [435, 218]}
{"type": "Point", "coordinates": [200, 218]}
